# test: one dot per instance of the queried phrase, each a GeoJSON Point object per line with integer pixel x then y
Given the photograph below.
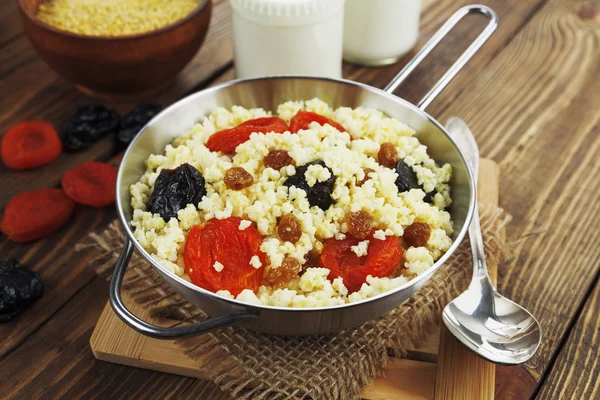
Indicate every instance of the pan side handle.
{"type": "Point", "coordinates": [158, 332]}
{"type": "Point", "coordinates": [435, 40]}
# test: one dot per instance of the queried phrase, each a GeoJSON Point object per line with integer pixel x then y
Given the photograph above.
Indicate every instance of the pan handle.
{"type": "Point", "coordinates": [158, 332]}
{"type": "Point", "coordinates": [435, 40]}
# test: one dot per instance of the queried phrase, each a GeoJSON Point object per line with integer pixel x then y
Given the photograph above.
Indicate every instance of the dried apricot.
{"type": "Point", "coordinates": [30, 144]}
{"type": "Point", "coordinates": [218, 255]}
{"type": "Point", "coordinates": [417, 234]}
{"type": "Point", "coordinates": [91, 183]}
{"type": "Point", "coordinates": [280, 277]}
{"type": "Point", "coordinates": [302, 120]}
{"type": "Point", "coordinates": [382, 259]}
{"type": "Point", "coordinates": [278, 159]}
{"type": "Point", "coordinates": [360, 224]}
{"type": "Point", "coordinates": [289, 228]}
{"type": "Point", "coordinates": [32, 215]}
{"type": "Point", "coordinates": [388, 155]}
{"type": "Point", "coordinates": [237, 178]}
{"type": "Point", "coordinates": [367, 171]}
{"type": "Point", "coordinates": [228, 139]}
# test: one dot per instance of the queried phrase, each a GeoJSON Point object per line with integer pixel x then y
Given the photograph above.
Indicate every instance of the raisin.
{"type": "Point", "coordinates": [289, 228]}
{"type": "Point", "coordinates": [367, 171]}
{"type": "Point", "coordinates": [237, 178]}
{"type": "Point", "coordinates": [407, 179]}
{"type": "Point", "coordinates": [359, 224]}
{"type": "Point", "coordinates": [278, 159]}
{"type": "Point", "coordinates": [19, 287]}
{"type": "Point", "coordinates": [388, 155]}
{"type": "Point", "coordinates": [280, 277]}
{"type": "Point", "coordinates": [88, 125]}
{"type": "Point", "coordinates": [320, 193]}
{"type": "Point", "coordinates": [132, 123]}
{"type": "Point", "coordinates": [176, 188]}
{"type": "Point", "coordinates": [417, 234]}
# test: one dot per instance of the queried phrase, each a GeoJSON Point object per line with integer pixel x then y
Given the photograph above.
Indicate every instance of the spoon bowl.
{"type": "Point", "coordinates": [493, 326]}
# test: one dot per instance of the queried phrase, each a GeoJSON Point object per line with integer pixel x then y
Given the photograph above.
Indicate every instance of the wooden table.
{"type": "Point", "coordinates": [532, 98]}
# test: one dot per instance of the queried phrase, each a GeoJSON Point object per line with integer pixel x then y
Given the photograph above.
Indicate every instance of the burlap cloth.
{"type": "Point", "coordinates": [249, 365]}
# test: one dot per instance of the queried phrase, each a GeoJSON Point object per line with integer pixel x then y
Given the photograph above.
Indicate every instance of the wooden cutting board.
{"type": "Point", "coordinates": [440, 368]}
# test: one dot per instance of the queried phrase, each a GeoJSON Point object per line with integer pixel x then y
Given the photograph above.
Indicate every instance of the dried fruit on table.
{"type": "Point", "coordinates": [228, 139]}
{"type": "Point", "coordinates": [33, 215]}
{"type": "Point", "coordinates": [132, 123]}
{"type": "Point", "coordinates": [174, 189]}
{"type": "Point", "coordinates": [367, 171]}
{"type": "Point", "coordinates": [289, 228]}
{"type": "Point", "coordinates": [382, 259]}
{"type": "Point", "coordinates": [30, 144]}
{"type": "Point", "coordinates": [407, 179]}
{"type": "Point", "coordinates": [278, 159]}
{"type": "Point", "coordinates": [237, 178]}
{"type": "Point", "coordinates": [280, 277]}
{"type": "Point", "coordinates": [359, 224]}
{"type": "Point", "coordinates": [219, 256]}
{"type": "Point", "coordinates": [302, 120]}
{"type": "Point", "coordinates": [417, 234]}
{"type": "Point", "coordinates": [91, 183]}
{"type": "Point", "coordinates": [88, 125]}
{"type": "Point", "coordinates": [320, 193]}
{"type": "Point", "coordinates": [19, 287]}
{"type": "Point", "coordinates": [387, 155]}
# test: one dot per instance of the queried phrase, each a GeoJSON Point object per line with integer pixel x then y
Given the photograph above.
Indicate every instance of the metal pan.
{"type": "Point", "coordinates": [268, 93]}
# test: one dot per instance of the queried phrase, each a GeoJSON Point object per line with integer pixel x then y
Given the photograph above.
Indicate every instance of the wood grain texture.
{"type": "Point", "coordinates": [535, 110]}
{"type": "Point", "coordinates": [576, 374]}
{"type": "Point", "coordinates": [461, 374]}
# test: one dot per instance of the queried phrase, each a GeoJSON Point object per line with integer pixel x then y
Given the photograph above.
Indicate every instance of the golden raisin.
{"type": "Point", "coordinates": [289, 228]}
{"type": "Point", "coordinates": [280, 277]}
{"type": "Point", "coordinates": [359, 224]}
{"type": "Point", "coordinates": [237, 178]}
{"type": "Point", "coordinates": [367, 171]}
{"type": "Point", "coordinates": [417, 234]}
{"type": "Point", "coordinates": [388, 155]}
{"type": "Point", "coordinates": [278, 159]}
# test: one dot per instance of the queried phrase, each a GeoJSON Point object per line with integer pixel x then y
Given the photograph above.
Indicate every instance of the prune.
{"type": "Point", "coordinates": [429, 196]}
{"type": "Point", "coordinates": [388, 155]}
{"type": "Point", "coordinates": [359, 224]}
{"type": "Point", "coordinates": [417, 234]}
{"type": "Point", "coordinates": [237, 178]}
{"type": "Point", "coordinates": [289, 229]}
{"type": "Point", "coordinates": [176, 188]}
{"type": "Point", "coordinates": [407, 179]}
{"type": "Point", "coordinates": [278, 159]}
{"type": "Point", "coordinates": [320, 193]}
{"type": "Point", "coordinates": [19, 287]}
{"type": "Point", "coordinates": [280, 277]}
{"type": "Point", "coordinates": [88, 125]}
{"type": "Point", "coordinates": [132, 123]}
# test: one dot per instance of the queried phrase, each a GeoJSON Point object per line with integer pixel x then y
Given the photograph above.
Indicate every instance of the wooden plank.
{"type": "Point", "coordinates": [461, 374]}
{"type": "Point", "coordinates": [576, 374]}
{"type": "Point", "coordinates": [535, 110]}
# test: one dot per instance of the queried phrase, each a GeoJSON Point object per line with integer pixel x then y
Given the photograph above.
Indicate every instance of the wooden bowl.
{"type": "Point", "coordinates": [123, 66]}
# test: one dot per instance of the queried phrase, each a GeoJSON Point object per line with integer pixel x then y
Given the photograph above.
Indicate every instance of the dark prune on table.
{"type": "Point", "coordinates": [176, 188]}
{"type": "Point", "coordinates": [88, 125]}
{"type": "Point", "coordinates": [19, 287]}
{"type": "Point", "coordinates": [320, 194]}
{"type": "Point", "coordinates": [407, 179]}
{"type": "Point", "coordinates": [132, 123]}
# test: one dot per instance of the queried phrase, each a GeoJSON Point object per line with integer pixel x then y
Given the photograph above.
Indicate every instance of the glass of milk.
{"type": "Point", "coordinates": [380, 32]}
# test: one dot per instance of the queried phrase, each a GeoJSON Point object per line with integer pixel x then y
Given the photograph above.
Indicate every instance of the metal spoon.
{"type": "Point", "coordinates": [488, 323]}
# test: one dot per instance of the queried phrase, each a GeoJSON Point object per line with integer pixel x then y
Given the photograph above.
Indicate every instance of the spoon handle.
{"type": "Point", "coordinates": [479, 264]}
